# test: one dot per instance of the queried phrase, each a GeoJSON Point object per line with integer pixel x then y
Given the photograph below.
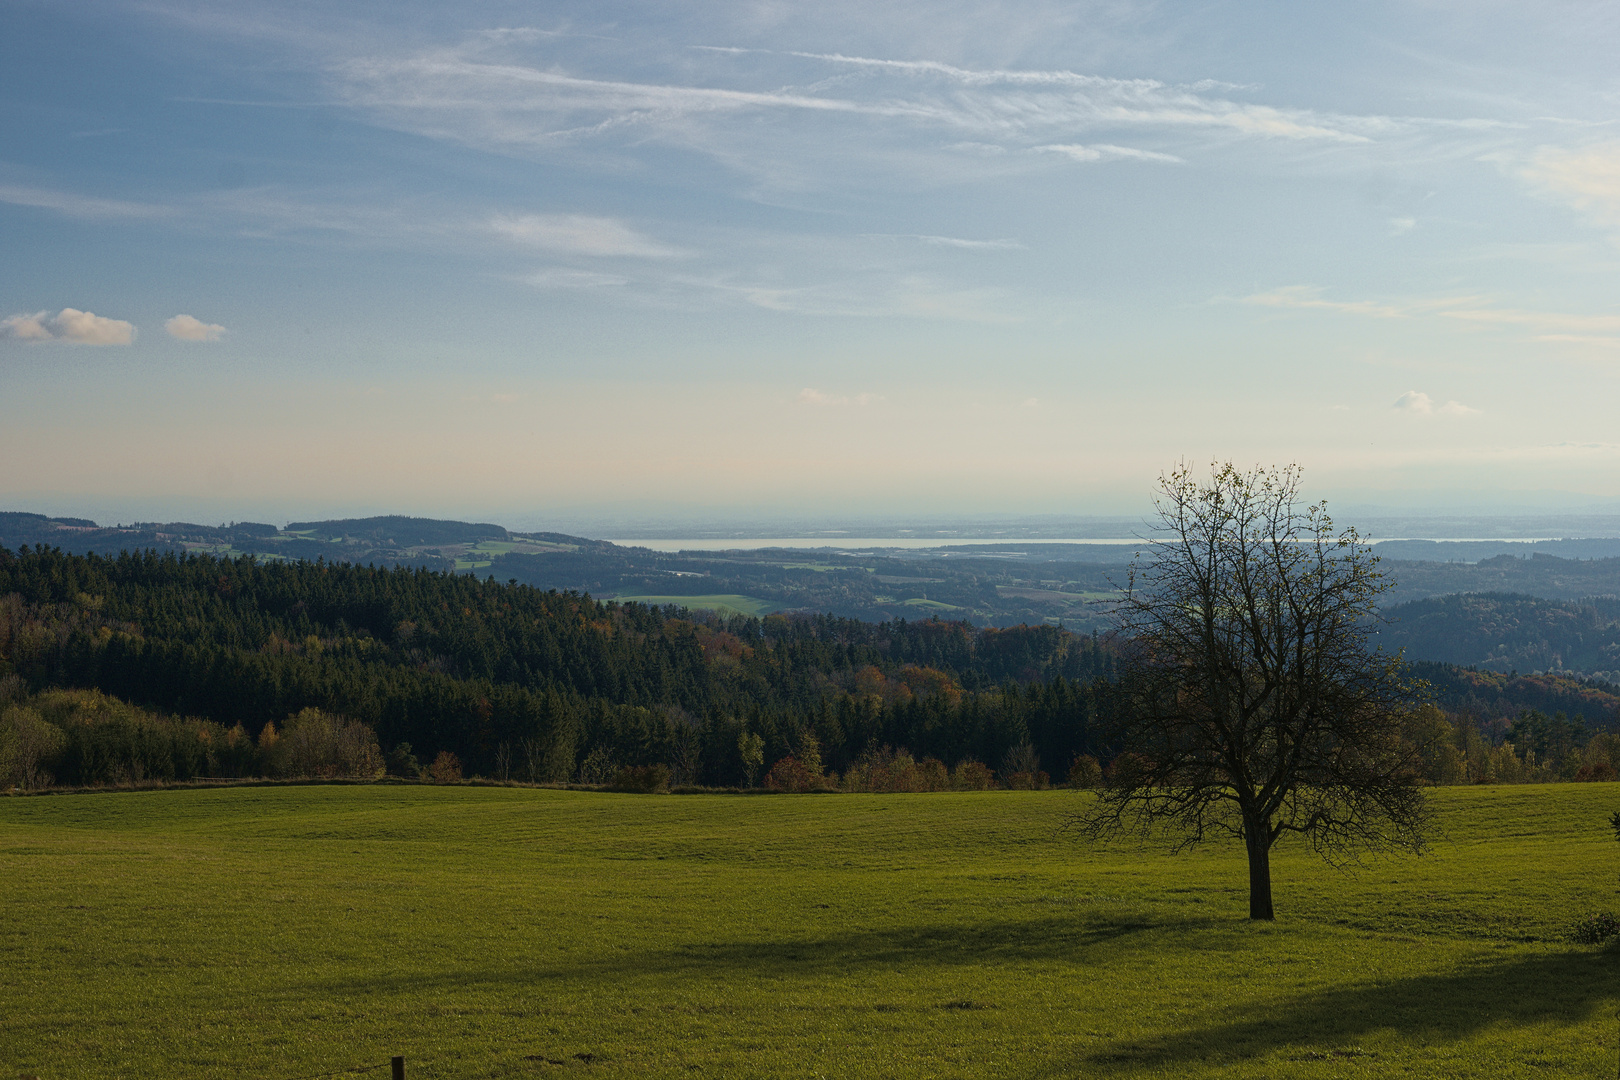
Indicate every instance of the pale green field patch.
{"type": "Point", "coordinates": [726, 604]}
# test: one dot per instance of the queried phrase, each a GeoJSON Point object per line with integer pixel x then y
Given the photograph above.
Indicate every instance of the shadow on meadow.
{"type": "Point", "coordinates": [1563, 988]}
{"type": "Point", "coordinates": [1055, 939]}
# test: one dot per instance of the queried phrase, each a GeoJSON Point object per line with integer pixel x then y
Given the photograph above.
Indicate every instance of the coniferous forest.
{"type": "Point", "coordinates": [537, 685]}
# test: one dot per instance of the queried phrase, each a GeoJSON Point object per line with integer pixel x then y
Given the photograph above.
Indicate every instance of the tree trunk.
{"type": "Point", "coordinates": [1257, 838]}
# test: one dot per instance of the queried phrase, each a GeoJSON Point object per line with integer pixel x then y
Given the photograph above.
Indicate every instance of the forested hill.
{"type": "Point", "coordinates": [387, 541]}
{"type": "Point", "coordinates": [1492, 699]}
{"type": "Point", "coordinates": [447, 661]}
{"type": "Point", "coordinates": [1543, 575]}
{"type": "Point", "coordinates": [1508, 632]}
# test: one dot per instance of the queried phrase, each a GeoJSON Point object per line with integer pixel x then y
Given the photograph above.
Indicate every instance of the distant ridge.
{"type": "Point", "coordinates": [1472, 551]}
{"type": "Point", "coordinates": [1003, 583]}
{"type": "Point", "coordinates": [403, 531]}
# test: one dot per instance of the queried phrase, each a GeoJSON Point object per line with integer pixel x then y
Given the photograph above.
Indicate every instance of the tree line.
{"type": "Point", "coordinates": [508, 677]}
{"type": "Point", "coordinates": [547, 686]}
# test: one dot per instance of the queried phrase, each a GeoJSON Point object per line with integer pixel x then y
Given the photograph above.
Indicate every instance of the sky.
{"type": "Point", "coordinates": [532, 262]}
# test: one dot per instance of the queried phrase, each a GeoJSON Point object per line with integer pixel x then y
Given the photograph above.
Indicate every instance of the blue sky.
{"type": "Point", "coordinates": [520, 260]}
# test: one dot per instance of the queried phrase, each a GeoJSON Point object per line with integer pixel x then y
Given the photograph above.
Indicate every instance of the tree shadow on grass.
{"type": "Point", "coordinates": [1564, 987]}
{"type": "Point", "coordinates": [1055, 939]}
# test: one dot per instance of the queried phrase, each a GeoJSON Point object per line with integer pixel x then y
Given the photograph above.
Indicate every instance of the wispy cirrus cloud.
{"type": "Point", "coordinates": [560, 277]}
{"type": "Point", "coordinates": [972, 245]}
{"type": "Point", "coordinates": [1550, 326]}
{"type": "Point", "coordinates": [1144, 102]}
{"type": "Point", "coordinates": [811, 396]}
{"type": "Point", "coordinates": [965, 243]}
{"type": "Point", "coordinates": [1588, 178]}
{"type": "Point", "coordinates": [1549, 321]}
{"type": "Point", "coordinates": [79, 206]}
{"type": "Point", "coordinates": [580, 234]}
{"type": "Point", "coordinates": [906, 296]}
{"type": "Point", "coordinates": [484, 93]}
{"type": "Point", "coordinates": [1105, 152]}
{"type": "Point", "coordinates": [519, 104]}
{"type": "Point", "coordinates": [1310, 297]}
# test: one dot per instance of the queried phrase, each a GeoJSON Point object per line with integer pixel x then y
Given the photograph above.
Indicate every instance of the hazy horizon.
{"type": "Point", "coordinates": [1047, 528]}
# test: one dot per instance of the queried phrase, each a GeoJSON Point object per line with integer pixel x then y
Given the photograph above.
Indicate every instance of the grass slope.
{"type": "Point", "coordinates": [498, 932]}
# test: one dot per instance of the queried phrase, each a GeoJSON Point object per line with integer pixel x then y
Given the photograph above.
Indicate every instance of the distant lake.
{"type": "Point", "coordinates": [869, 542]}
{"type": "Point", "coordinates": [850, 544]}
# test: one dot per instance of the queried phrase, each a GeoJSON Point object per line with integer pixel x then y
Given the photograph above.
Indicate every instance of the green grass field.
{"type": "Point", "coordinates": [279, 932]}
{"type": "Point", "coordinates": [935, 605]}
{"type": "Point", "coordinates": [506, 547]}
{"type": "Point", "coordinates": [725, 604]}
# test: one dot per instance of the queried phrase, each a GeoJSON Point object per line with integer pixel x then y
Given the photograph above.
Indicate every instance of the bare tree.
{"type": "Point", "coordinates": [1252, 703]}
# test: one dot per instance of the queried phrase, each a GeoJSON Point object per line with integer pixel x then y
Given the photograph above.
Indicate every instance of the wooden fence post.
{"type": "Point", "coordinates": [399, 1067]}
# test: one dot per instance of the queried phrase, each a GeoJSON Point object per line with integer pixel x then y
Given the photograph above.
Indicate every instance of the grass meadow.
{"type": "Point", "coordinates": [283, 931]}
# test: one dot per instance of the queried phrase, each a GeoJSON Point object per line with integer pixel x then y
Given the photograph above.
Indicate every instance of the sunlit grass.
{"type": "Point", "coordinates": [281, 931]}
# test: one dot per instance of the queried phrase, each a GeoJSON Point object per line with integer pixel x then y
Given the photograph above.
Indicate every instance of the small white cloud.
{"type": "Point", "coordinates": [809, 396]}
{"type": "Point", "coordinates": [1417, 403]}
{"type": "Point", "coordinates": [88, 328]}
{"type": "Point", "coordinates": [580, 234]}
{"type": "Point", "coordinates": [1105, 152]}
{"type": "Point", "coordinates": [26, 327]}
{"type": "Point", "coordinates": [187, 328]}
{"type": "Point", "coordinates": [1032, 403]}
{"type": "Point", "coordinates": [69, 325]}
{"type": "Point", "coordinates": [1401, 225]}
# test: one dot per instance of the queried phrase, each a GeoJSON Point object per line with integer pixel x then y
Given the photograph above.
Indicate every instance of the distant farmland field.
{"type": "Point", "coordinates": [279, 932]}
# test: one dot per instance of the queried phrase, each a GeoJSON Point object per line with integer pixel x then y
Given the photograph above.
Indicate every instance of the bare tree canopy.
{"type": "Point", "coordinates": [1251, 702]}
